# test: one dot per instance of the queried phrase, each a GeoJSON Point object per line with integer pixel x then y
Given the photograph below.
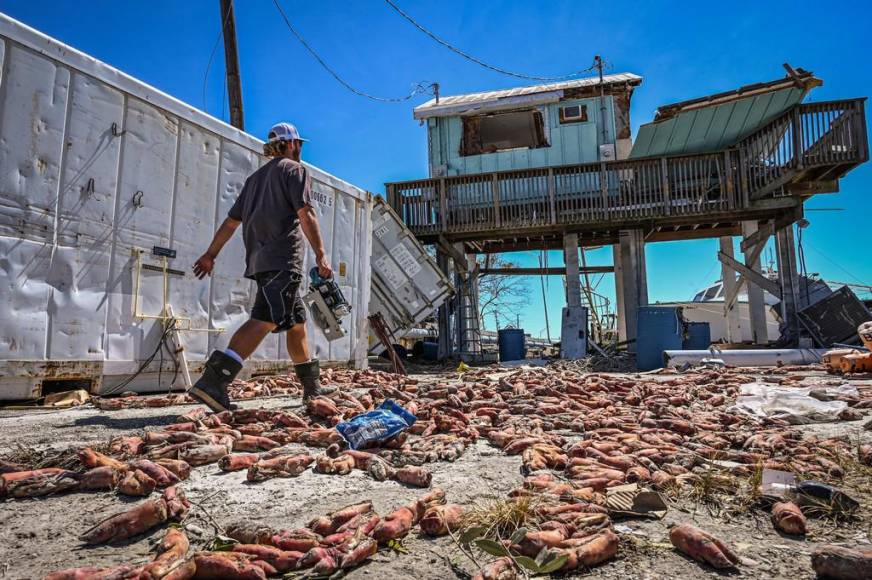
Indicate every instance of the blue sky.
{"type": "Point", "coordinates": [682, 49]}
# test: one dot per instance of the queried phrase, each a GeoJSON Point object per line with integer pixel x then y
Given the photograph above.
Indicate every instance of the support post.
{"type": "Point", "coordinates": [732, 320]}
{"type": "Point", "coordinates": [635, 279]}
{"type": "Point", "coordinates": [620, 313]}
{"type": "Point", "coordinates": [752, 276]}
{"type": "Point", "coordinates": [573, 322]}
{"type": "Point", "coordinates": [756, 304]}
{"type": "Point", "coordinates": [573, 280]}
{"type": "Point", "coordinates": [789, 278]}
{"type": "Point", "coordinates": [231, 65]}
{"type": "Point", "coordinates": [446, 343]}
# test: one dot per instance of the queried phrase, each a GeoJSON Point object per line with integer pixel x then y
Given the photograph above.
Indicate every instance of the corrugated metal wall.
{"type": "Point", "coordinates": [571, 143]}
{"type": "Point", "coordinates": [95, 166]}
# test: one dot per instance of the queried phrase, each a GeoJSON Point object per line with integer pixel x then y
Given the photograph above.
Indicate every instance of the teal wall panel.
{"type": "Point", "coordinates": [571, 143]}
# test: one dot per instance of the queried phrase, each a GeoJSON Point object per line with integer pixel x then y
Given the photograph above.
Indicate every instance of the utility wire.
{"type": "Point", "coordinates": [543, 263]}
{"type": "Point", "coordinates": [478, 61]}
{"type": "Point", "coordinates": [170, 324]}
{"type": "Point", "coordinates": [419, 88]}
{"type": "Point", "coordinates": [833, 262]}
{"type": "Point", "coordinates": [224, 20]}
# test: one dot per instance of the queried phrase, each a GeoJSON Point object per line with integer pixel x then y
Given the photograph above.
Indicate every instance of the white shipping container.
{"type": "Point", "coordinates": [96, 170]}
{"type": "Point", "coordinates": [407, 285]}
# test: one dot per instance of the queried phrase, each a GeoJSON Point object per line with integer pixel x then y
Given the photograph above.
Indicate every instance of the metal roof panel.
{"type": "Point", "coordinates": [712, 127]}
{"type": "Point", "coordinates": [455, 104]}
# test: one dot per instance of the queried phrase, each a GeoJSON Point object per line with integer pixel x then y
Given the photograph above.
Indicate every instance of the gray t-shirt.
{"type": "Point", "coordinates": [267, 207]}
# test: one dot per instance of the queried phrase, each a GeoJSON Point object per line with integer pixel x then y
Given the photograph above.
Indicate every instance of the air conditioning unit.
{"type": "Point", "coordinates": [607, 152]}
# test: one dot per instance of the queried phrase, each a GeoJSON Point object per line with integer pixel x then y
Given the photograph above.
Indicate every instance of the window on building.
{"type": "Point", "coordinates": [573, 114]}
{"type": "Point", "coordinates": [503, 131]}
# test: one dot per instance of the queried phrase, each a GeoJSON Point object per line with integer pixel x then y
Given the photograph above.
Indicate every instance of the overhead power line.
{"type": "Point", "coordinates": [417, 89]}
{"type": "Point", "coordinates": [476, 60]}
{"type": "Point", "coordinates": [224, 18]}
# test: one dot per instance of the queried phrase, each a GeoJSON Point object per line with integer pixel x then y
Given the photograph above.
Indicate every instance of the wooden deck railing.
{"type": "Point", "coordinates": [829, 134]}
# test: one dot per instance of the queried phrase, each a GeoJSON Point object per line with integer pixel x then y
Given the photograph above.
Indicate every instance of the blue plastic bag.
{"type": "Point", "coordinates": [376, 426]}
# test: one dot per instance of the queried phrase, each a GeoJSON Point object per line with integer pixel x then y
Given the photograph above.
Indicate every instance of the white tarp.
{"type": "Point", "coordinates": [792, 404]}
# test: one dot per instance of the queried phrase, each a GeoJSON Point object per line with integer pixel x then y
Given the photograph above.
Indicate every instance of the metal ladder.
{"type": "Point", "coordinates": [469, 322]}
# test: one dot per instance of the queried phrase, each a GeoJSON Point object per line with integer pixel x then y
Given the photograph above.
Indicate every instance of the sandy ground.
{"type": "Point", "coordinates": [39, 536]}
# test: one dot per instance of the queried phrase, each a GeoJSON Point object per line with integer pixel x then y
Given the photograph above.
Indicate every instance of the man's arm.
{"type": "Point", "coordinates": [206, 262]}
{"type": "Point", "coordinates": [309, 223]}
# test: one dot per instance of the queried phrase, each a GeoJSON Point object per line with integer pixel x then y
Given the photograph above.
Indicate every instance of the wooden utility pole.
{"type": "Point", "coordinates": [231, 64]}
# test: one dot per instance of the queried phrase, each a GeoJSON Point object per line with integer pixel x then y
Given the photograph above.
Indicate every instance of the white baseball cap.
{"type": "Point", "coordinates": [284, 132]}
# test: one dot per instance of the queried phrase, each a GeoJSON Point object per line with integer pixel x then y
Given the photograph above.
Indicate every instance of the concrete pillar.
{"type": "Point", "coordinates": [788, 277]}
{"type": "Point", "coordinates": [573, 276]}
{"type": "Point", "coordinates": [443, 316]}
{"type": "Point", "coordinates": [756, 305]}
{"type": "Point", "coordinates": [620, 314]}
{"type": "Point", "coordinates": [732, 320]}
{"type": "Point", "coordinates": [634, 279]}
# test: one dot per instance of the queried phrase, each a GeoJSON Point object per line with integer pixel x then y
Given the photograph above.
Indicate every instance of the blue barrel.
{"type": "Point", "coordinates": [430, 350]}
{"type": "Point", "coordinates": [698, 336]}
{"type": "Point", "coordinates": [512, 344]}
{"type": "Point", "coordinates": [658, 328]}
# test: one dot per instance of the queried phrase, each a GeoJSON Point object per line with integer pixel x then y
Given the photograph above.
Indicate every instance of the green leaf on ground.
{"type": "Point", "coordinates": [553, 564]}
{"type": "Point", "coordinates": [222, 544]}
{"type": "Point", "coordinates": [518, 535]}
{"type": "Point", "coordinates": [471, 534]}
{"type": "Point", "coordinates": [527, 563]}
{"type": "Point", "coordinates": [491, 547]}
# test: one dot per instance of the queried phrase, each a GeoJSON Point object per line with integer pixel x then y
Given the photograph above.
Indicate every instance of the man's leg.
{"type": "Point", "coordinates": [298, 345]}
{"type": "Point", "coordinates": [307, 369]}
{"type": "Point", "coordinates": [222, 367]}
{"type": "Point", "coordinates": [249, 336]}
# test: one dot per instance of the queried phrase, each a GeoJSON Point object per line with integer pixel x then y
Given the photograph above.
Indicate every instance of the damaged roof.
{"type": "Point", "coordinates": [521, 96]}
{"type": "Point", "coordinates": [723, 119]}
{"type": "Point", "coordinates": [796, 78]}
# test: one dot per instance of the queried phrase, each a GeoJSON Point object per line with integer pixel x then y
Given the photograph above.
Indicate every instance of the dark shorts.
{"type": "Point", "coordinates": [278, 299]}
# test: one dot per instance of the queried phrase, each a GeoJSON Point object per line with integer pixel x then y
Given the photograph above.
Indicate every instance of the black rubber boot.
{"type": "Point", "coordinates": [309, 374]}
{"type": "Point", "coordinates": [211, 388]}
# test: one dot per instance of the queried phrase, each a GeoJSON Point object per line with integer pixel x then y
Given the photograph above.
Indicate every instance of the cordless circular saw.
{"type": "Point", "coordinates": [327, 304]}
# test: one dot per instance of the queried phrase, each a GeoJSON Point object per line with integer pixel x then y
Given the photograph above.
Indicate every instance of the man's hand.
{"type": "Point", "coordinates": [204, 266]}
{"type": "Point", "coordinates": [206, 262]}
{"type": "Point", "coordinates": [324, 269]}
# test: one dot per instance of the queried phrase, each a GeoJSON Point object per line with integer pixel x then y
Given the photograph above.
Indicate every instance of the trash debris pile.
{"type": "Point", "coordinates": [798, 406]}
{"type": "Point", "coordinates": [852, 360]}
{"type": "Point", "coordinates": [615, 362]}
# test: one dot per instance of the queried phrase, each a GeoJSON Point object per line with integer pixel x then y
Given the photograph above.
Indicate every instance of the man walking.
{"type": "Point", "coordinates": [275, 211]}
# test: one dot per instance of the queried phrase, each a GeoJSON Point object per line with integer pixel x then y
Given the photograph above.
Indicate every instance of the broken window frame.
{"type": "Point", "coordinates": [471, 141]}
